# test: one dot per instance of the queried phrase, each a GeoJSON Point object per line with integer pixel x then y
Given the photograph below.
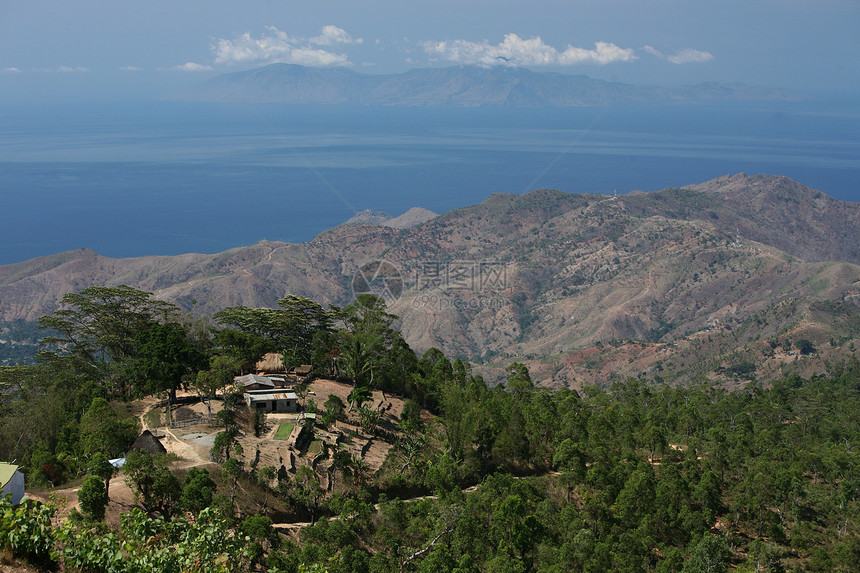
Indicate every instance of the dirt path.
{"type": "Point", "coordinates": [192, 454]}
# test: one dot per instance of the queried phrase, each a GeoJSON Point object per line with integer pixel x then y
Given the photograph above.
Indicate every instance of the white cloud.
{"type": "Point", "coordinates": [70, 70]}
{"type": "Point", "coordinates": [516, 51]}
{"type": "Point", "coordinates": [689, 55]}
{"type": "Point", "coordinates": [334, 35]}
{"type": "Point", "coordinates": [685, 56]}
{"type": "Point", "coordinates": [11, 70]}
{"type": "Point", "coordinates": [604, 53]}
{"type": "Point", "coordinates": [277, 46]}
{"type": "Point", "coordinates": [192, 67]}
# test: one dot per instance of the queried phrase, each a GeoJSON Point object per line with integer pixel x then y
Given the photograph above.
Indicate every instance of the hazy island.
{"type": "Point", "coordinates": [461, 86]}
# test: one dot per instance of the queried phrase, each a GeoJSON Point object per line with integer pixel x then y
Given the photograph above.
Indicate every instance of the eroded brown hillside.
{"type": "Point", "coordinates": [679, 283]}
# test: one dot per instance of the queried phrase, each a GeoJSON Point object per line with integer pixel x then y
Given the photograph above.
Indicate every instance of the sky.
{"type": "Point", "coordinates": [118, 49]}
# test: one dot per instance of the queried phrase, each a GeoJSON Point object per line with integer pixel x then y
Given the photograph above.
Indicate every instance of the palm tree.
{"type": "Point", "coordinates": [359, 470]}
{"type": "Point", "coordinates": [356, 359]}
{"type": "Point", "coordinates": [369, 419]}
{"type": "Point", "coordinates": [359, 396]}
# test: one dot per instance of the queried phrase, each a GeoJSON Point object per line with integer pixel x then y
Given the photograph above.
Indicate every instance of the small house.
{"type": "Point", "coordinates": [251, 382]}
{"type": "Point", "coordinates": [300, 374]}
{"type": "Point", "coordinates": [280, 402]}
{"type": "Point", "coordinates": [12, 481]}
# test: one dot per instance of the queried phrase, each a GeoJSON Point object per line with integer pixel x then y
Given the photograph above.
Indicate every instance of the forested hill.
{"type": "Point", "coordinates": [719, 280]}
{"type": "Point", "coordinates": [515, 479]}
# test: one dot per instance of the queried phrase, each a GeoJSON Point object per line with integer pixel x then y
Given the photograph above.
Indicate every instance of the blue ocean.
{"type": "Point", "coordinates": [167, 178]}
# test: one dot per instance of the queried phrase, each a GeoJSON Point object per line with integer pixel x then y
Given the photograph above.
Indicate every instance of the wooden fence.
{"type": "Point", "coordinates": [194, 421]}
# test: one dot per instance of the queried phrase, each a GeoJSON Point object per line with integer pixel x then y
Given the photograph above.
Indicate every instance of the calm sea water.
{"type": "Point", "coordinates": [169, 178]}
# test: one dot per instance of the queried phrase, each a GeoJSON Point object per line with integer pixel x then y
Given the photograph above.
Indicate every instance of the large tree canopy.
{"type": "Point", "coordinates": [98, 326]}
{"type": "Point", "coordinates": [371, 351]}
{"type": "Point", "coordinates": [164, 357]}
{"type": "Point", "coordinates": [289, 329]}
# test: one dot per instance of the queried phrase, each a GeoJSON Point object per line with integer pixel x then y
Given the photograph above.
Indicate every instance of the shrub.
{"type": "Point", "coordinates": [93, 497]}
{"type": "Point", "coordinates": [26, 529]}
{"type": "Point", "coordinates": [805, 346]}
{"type": "Point", "coordinates": [197, 491]}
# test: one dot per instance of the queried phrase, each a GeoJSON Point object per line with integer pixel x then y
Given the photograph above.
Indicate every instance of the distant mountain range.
{"type": "Point", "coordinates": [466, 86]}
{"type": "Point", "coordinates": [682, 284]}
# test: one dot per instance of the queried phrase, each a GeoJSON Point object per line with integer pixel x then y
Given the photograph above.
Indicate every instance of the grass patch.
{"type": "Point", "coordinates": [315, 447]}
{"type": "Point", "coordinates": [284, 431]}
{"type": "Point", "coordinates": [153, 418]}
{"type": "Point", "coordinates": [170, 457]}
{"type": "Point", "coordinates": [818, 284]}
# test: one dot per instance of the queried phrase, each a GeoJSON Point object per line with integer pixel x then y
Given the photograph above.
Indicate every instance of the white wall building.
{"type": "Point", "coordinates": [272, 401]}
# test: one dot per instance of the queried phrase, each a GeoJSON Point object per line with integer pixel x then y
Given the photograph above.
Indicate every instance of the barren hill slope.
{"type": "Point", "coordinates": [703, 273]}
{"type": "Point", "coordinates": [772, 210]}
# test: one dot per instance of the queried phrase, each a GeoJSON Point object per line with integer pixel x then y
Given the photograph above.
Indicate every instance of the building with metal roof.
{"type": "Point", "coordinates": [272, 401]}
{"type": "Point", "coordinates": [254, 382]}
{"type": "Point", "coordinates": [12, 481]}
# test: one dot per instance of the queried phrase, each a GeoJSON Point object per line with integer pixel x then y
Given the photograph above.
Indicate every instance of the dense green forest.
{"type": "Point", "coordinates": [513, 478]}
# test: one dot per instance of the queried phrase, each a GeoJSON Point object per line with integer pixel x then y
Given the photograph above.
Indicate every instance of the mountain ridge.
{"type": "Point", "coordinates": [547, 276]}
{"type": "Point", "coordinates": [460, 86]}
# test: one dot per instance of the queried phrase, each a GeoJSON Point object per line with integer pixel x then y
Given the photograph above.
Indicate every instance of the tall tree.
{"type": "Point", "coordinates": [357, 358]}
{"type": "Point", "coordinates": [308, 490]}
{"type": "Point", "coordinates": [371, 351]}
{"type": "Point", "coordinates": [289, 329]}
{"type": "Point", "coordinates": [101, 429]}
{"type": "Point", "coordinates": [165, 355]}
{"type": "Point", "coordinates": [519, 380]}
{"type": "Point", "coordinates": [303, 319]}
{"type": "Point", "coordinates": [219, 375]}
{"type": "Point", "coordinates": [97, 326]}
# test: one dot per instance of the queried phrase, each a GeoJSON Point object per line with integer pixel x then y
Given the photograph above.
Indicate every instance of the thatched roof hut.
{"type": "Point", "coordinates": [147, 442]}
{"type": "Point", "coordinates": [271, 363]}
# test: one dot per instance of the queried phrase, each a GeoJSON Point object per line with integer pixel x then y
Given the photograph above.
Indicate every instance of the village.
{"type": "Point", "coordinates": [296, 431]}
